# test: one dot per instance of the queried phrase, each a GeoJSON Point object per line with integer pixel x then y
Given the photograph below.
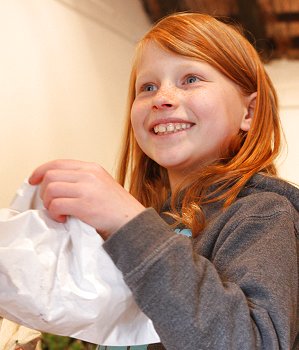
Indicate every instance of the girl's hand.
{"type": "Point", "coordinates": [86, 191]}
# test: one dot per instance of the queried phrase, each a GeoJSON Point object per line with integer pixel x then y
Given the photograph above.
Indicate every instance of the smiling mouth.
{"type": "Point", "coordinates": [170, 128]}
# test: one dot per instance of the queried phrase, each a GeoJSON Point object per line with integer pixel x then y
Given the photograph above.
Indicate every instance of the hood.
{"type": "Point", "coordinates": [266, 183]}
{"type": "Point", "coordinates": [259, 183]}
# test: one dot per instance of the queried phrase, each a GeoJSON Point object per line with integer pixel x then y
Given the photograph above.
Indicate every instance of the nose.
{"type": "Point", "coordinates": [165, 98]}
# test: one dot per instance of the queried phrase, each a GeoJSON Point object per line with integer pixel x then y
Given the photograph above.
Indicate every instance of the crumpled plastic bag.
{"type": "Point", "coordinates": [57, 278]}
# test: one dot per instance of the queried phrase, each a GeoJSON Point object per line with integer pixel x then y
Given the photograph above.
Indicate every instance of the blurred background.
{"type": "Point", "coordinates": [64, 74]}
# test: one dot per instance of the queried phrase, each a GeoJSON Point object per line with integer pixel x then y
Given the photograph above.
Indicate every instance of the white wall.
{"type": "Point", "coordinates": [64, 72]}
{"type": "Point", "coordinates": [285, 76]}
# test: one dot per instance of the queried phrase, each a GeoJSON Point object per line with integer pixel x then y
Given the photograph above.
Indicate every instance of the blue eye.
{"type": "Point", "coordinates": [149, 87]}
{"type": "Point", "coordinates": [192, 79]}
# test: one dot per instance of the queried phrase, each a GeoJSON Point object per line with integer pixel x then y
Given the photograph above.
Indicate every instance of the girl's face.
{"type": "Point", "coordinates": [185, 111]}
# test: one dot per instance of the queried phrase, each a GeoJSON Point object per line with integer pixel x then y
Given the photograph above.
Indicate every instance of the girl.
{"type": "Point", "coordinates": [202, 135]}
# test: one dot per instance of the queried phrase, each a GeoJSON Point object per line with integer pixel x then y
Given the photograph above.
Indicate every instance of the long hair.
{"type": "Point", "coordinates": [202, 37]}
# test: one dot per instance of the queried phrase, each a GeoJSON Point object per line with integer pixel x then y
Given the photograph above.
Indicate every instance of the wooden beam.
{"type": "Point", "coordinates": [157, 9]}
{"type": "Point", "coordinates": [288, 16]}
{"type": "Point", "coordinates": [251, 17]}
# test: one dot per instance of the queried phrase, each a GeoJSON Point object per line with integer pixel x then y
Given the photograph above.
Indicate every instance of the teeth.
{"type": "Point", "coordinates": [160, 128]}
{"type": "Point", "coordinates": [170, 128]}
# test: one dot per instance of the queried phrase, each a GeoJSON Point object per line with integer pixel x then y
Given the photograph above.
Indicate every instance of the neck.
{"type": "Point", "coordinates": [175, 179]}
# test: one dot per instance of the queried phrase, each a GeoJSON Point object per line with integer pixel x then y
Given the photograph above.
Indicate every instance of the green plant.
{"type": "Point", "coordinates": [55, 342]}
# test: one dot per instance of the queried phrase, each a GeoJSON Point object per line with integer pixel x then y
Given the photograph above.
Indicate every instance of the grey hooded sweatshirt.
{"type": "Point", "coordinates": [235, 286]}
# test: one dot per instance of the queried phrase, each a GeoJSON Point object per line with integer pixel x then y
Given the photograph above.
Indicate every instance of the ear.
{"type": "Point", "coordinates": [248, 115]}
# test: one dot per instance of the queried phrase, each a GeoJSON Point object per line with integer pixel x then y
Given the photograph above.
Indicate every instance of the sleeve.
{"type": "Point", "coordinates": [242, 295]}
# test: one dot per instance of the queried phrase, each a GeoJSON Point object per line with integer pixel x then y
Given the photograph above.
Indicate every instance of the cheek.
{"type": "Point", "coordinates": [135, 115]}
{"type": "Point", "coordinates": [201, 103]}
{"type": "Point", "coordinates": [138, 120]}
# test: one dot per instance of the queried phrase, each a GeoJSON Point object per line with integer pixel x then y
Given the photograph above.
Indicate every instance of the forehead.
{"type": "Point", "coordinates": [152, 51]}
{"type": "Point", "coordinates": [152, 57]}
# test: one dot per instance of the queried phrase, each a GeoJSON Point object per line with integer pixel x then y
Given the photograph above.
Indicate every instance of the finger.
{"type": "Point", "coordinates": [59, 218]}
{"type": "Point", "coordinates": [60, 208]}
{"type": "Point", "coordinates": [59, 190]}
{"type": "Point", "coordinates": [58, 176]}
{"type": "Point", "coordinates": [62, 164]}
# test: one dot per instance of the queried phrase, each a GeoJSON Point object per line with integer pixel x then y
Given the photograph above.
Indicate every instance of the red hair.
{"type": "Point", "coordinates": [205, 38]}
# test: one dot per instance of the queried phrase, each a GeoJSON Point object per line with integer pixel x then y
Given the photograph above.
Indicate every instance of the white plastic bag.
{"type": "Point", "coordinates": [57, 278]}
